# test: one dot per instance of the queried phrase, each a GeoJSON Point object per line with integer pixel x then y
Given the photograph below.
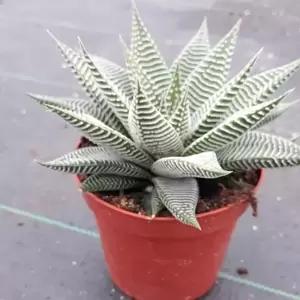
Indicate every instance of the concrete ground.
{"type": "Point", "coordinates": [49, 248]}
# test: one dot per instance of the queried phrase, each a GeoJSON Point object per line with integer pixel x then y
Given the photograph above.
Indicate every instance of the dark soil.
{"type": "Point", "coordinates": [215, 193]}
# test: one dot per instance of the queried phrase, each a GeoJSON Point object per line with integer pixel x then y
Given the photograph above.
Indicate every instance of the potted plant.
{"type": "Point", "coordinates": [171, 156]}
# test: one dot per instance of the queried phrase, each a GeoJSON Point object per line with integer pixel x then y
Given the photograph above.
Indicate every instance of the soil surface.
{"type": "Point", "coordinates": [214, 193]}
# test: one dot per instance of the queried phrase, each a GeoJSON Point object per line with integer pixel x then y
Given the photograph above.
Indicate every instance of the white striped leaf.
{"type": "Point", "coordinates": [210, 75]}
{"type": "Point", "coordinates": [103, 183]}
{"type": "Point", "coordinates": [275, 113]}
{"type": "Point", "coordinates": [181, 119]}
{"type": "Point", "coordinates": [260, 87]}
{"type": "Point", "coordinates": [129, 64]}
{"type": "Point", "coordinates": [255, 150]}
{"type": "Point", "coordinates": [84, 76]}
{"type": "Point", "coordinates": [147, 86]}
{"type": "Point", "coordinates": [90, 160]}
{"type": "Point", "coordinates": [80, 105]}
{"type": "Point", "coordinates": [193, 53]}
{"type": "Point", "coordinates": [152, 203]}
{"type": "Point", "coordinates": [100, 134]}
{"type": "Point", "coordinates": [146, 54]}
{"type": "Point", "coordinates": [118, 75]}
{"type": "Point", "coordinates": [203, 165]}
{"type": "Point", "coordinates": [231, 129]}
{"type": "Point", "coordinates": [212, 111]}
{"type": "Point", "coordinates": [112, 93]}
{"type": "Point", "coordinates": [173, 95]}
{"type": "Point", "coordinates": [150, 130]}
{"type": "Point", "coordinates": [180, 197]}
{"type": "Point", "coordinates": [156, 203]}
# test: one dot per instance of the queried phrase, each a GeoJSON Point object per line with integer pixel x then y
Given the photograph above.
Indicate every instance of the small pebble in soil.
{"type": "Point", "coordinates": [278, 199]}
{"type": "Point", "coordinates": [254, 228]}
{"type": "Point", "coordinates": [74, 263]}
{"type": "Point", "coordinates": [242, 271]}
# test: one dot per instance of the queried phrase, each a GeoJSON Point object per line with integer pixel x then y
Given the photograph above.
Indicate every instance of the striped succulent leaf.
{"type": "Point", "coordinates": [180, 197]}
{"type": "Point", "coordinates": [150, 130]}
{"type": "Point", "coordinates": [82, 106]}
{"type": "Point", "coordinates": [152, 203]}
{"type": "Point", "coordinates": [146, 86]}
{"type": "Point", "coordinates": [102, 183]}
{"type": "Point", "coordinates": [83, 74]}
{"type": "Point", "coordinates": [118, 75]}
{"type": "Point", "coordinates": [212, 111]}
{"type": "Point", "coordinates": [91, 160]}
{"type": "Point", "coordinates": [173, 95]}
{"type": "Point", "coordinates": [129, 64]}
{"type": "Point", "coordinates": [156, 203]}
{"type": "Point", "coordinates": [146, 54]}
{"type": "Point", "coordinates": [255, 150]}
{"type": "Point", "coordinates": [231, 129]}
{"type": "Point", "coordinates": [259, 88]}
{"type": "Point", "coordinates": [100, 134]}
{"type": "Point", "coordinates": [112, 93]}
{"type": "Point", "coordinates": [275, 113]}
{"type": "Point", "coordinates": [202, 165]}
{"type": "Point", "coordinates": [193, 53]}
{"type": "Point", "coordinates": [210, 75]}
{"type": "Point", "coordinates": [181, 120]}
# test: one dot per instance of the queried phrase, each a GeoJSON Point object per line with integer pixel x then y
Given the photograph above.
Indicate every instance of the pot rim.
{"type": "Point", "coordinates": [165, 219]}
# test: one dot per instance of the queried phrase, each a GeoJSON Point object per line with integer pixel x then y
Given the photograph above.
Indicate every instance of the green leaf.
{"type": "Point", "coordinates": [231, 129]}
{"type": "Point", "coordinates": [212, 111]}
{"type": "Point", "coordinates": [255, 150]}
{"type": "Point", "coordinates": [210, 75]}
{"type": "Point", "coordinates": [260, 87]}
{"type": "Point", "coordinates": [173, 95]}
{"type": "Point", "coordinates": [112, 93]}
{"type": "Point", "coordinates": [90, 160]}
{"type": "Point", "coordinates": [102, 183]}
{"type": "Point", "coordinates": [150, 130]}
{"type": "Point", "coordinates": [100, 134]}
{"type": "Point", "coordinates": [193, 53]}
{"type": "Point", "coordinates": [276, 112]}
{"type": "Point", "coordinates": [82, 106]}
{"type": "Point", "coordinates": [203, 165]}
{"type": "Point", "coordinates": [146, 54]}
{"type": "Point", "coordinates": [181, 120]}
{"type": "Point", "coordinates": [180, 196]}
{"type": "Point", "coordinates": [84, 76]}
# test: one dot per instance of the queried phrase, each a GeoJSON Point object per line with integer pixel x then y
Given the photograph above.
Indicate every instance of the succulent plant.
{"type": "Point", "coordinates": [163, 126]}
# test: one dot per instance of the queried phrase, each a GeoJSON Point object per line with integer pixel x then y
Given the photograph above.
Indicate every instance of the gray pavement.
{"type": "Point", "coordinates": [41, 258]}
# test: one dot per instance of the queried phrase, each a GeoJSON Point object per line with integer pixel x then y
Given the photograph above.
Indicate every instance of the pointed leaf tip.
{"type": "Point", "coordinates": [53, 36]}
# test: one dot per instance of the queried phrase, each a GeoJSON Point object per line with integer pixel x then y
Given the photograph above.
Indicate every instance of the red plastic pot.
{"type": "Point", "coordinates": [163, 259]}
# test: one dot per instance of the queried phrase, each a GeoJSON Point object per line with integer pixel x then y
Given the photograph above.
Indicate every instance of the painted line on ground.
{"type": "Point", "coordinates": [93, 234]}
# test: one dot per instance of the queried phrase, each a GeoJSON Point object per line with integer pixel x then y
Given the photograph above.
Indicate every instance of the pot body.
{"type": "Point", "coordinates": [161, 258]}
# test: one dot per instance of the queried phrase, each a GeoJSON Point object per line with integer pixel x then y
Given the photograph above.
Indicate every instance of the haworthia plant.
{"type": "Point", "coordinates": [159, 128]}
